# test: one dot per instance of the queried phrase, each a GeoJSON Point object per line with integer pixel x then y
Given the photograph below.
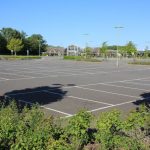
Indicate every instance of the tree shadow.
{"type": "Point", "coordinates": [43, 95]}
{"type": "Point", "coordinates": [145, 100]}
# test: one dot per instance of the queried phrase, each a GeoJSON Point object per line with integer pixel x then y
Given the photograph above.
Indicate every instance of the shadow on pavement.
{"type": "Point", "coordinates": [39, 95]}
{"type": "Point", "coordinates": [145, 100]}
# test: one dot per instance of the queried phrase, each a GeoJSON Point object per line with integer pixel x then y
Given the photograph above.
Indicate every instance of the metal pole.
{"type": "Point", "coordinates": [117, 61]}
{"type": "Point", "coordinates": [39, 48]}
{"type": "Point", "coordinates": [86, 43]}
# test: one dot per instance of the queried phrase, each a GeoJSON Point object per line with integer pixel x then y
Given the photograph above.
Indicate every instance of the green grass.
{"type": "Point", "coordinates": [12, 57]}
{"type": "Point", "coordinates": [81, 58]}
{"type": "Point", "coordinates": [140, 63]}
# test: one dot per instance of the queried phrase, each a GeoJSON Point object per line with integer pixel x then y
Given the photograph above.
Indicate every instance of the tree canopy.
{"type": "Point", "coordinates": [30, 43]}
{"type": "Point", "coordinates": [34, 41]}
{"type": "Point", "coordinates": [3, 44]}
{"type": "Point", "coordinates": [103, 48]}
{"type": "Point", "coordinates": [130, 48]}
{"type": "Point", "coordinates": [15, 44]}
{"type": "Point", "coordinates": [88, 51]}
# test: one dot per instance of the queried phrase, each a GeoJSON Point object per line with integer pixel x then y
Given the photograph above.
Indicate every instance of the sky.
{"type": "Point", "coordinates": [65, 22]}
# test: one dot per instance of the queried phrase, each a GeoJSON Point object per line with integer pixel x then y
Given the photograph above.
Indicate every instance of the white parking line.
{"type": "Point", "coordinates": [107, 92]}
{"type": "Point", "coordinates": [61, 95]}
{"type": "Point", "coordinates": [3, 79]}
{"type": "Point", "coordinates": [101, 72]}
{"type": "Point", "coordinates": [101, 108]}
{"type": "Point", "coordinates": [126, 87]}
{"type": "Point", "coordinates": [137, 83]}
{"type": "Point", "coordinates": [14, 74]}
{"type": "Point", "coordinates": [42, 106]}
{"type": "Point", "coordinates": [84, 99]}
{"type": "Point", "coordinates": [107, 82]}
{"type": "Point", "coordinates": [61, 112]}
{"type": "Point", "coordinates": [90, 100]}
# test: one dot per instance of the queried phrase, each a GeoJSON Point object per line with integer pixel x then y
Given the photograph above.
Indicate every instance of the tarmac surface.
{"type": "Point", "coordinates": [63, 87]}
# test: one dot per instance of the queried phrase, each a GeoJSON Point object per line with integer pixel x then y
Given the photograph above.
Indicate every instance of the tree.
{"type": "Point", "coordinates": [34, 41]}
{"type": "Point", "coordinates": [88, 51]}
{"type": "Point", "coordinates": [3, 44]}
{"type": "Point", "coordinates": [15, 44]}
{"type": "Point", "coordinates": [130, 48]}
{"type": "Point", "coordinates": [103, 49]}
{"type": "Point", "coordinates": [146, 52]}
{"type": "Point", "coordinates": [122, 50]}
{"type": "Point", "coordinates": [9, 33]}
{"type": "Point", "coordinates": [112, 47]}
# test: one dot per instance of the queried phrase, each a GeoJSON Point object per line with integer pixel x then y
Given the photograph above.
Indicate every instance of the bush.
{"type": "Point", "coordinates": [26, 130]}
{"type": "Point", "coordinates": [29, 129]}
{"type": "Point", "coordinates": [78, 127]}
{"type": "Point", "coordinates": [115, 133]}
{"type": "Point", "coordinates": [109, 128]}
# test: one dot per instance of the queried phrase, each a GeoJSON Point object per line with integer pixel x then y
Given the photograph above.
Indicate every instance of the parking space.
{"type": "Point", "coordinates": [62, 88]}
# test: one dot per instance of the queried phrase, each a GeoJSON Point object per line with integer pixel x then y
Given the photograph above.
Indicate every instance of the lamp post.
{"type": "Point", "coordinates": [117, 61]}
{"type": "Point", "coordinates": [39, 47]}
{"type": "Point", "coordinates": [86, 43]}
{"type": "Point", "coordinates": [86, 35]}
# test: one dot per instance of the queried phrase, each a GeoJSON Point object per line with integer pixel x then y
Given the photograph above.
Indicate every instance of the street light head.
{"type": "Point", "coordinates": [85, 34]}
{"type": "Point", "coordinates": [118, 27]}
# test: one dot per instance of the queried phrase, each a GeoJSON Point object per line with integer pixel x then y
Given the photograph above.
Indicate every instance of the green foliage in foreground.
{"type": "Point", "coordinates": [81, 58]}
{"type": "Point", "coordinates": [140, 63]}
{"type": "Point", "coordinates": [12, 57]}
{"type": "Point", "coordinates": [29, 129]}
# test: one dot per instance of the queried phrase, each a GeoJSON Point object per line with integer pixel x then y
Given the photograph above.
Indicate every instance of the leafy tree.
{"type": "Point", "coordinates": [122, 50]}
{"type": "Point", "coordinates": [88, 51]}
{"type": "Point", "coordinates": [34, 41]}
{"type": "Point", "coordinates": [3, 44]}
{"type": "Point", "coordinates": [112, 47]}
{"type": "Point", "coordinates": [146, 52]}
{"type": "Point", "coordinates": [130, 48]}
{"type": "Point", "coordinates": [15, 44]}
{"type": "Point", "coordinates": [9, 33]}
{"type": "Point", "coordinates": [103, 49]}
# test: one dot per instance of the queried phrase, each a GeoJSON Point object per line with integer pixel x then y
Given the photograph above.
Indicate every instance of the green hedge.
{"type": "Point", "coordinates": [10, 57]}
{"type": "Point", "coordinates": [81, 58]}
{"type": "Point", "coordinates": [29, 129]}
{"type": "Point", "coordinates": [140, 62]}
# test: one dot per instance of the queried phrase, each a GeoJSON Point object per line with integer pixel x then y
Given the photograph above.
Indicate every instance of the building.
{"type": "Point", "coordinates": [55, 51]}
{"type": "Point", "coordinates": [73, 50]}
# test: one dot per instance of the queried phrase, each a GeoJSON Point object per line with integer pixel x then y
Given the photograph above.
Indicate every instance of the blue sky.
{"type": "Point", "coordinates": [64, 22]}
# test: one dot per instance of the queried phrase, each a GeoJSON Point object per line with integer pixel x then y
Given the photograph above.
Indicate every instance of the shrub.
{"type": "Point", "coordinates": [109, 128]}
{"type": "Point", "coordinates": [26, 130]}
{"type": "Point", "coordinates": [77, 128]}
{"type": "Point", "coordinates": [8, 125]}
{"type": "Point", "coordinates": [29, 129]}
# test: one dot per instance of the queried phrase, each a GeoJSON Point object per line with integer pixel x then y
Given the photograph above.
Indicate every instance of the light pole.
{"type": "Point", "coordinates": [39, 47]}
{"type": "Point", "coordinates": [117, 61]}
{"type": "Point", "coordinates": [86, 35]}
{"type": "Point", "coordinates": [86, 39]}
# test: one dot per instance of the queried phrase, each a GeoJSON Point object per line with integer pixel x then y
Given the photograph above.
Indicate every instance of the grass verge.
{"type": "Point", "coordinates": [10, 57]}
{"type": "Point", "coordinates": [81, 58]}
{"type": "Point", "coordinates": [139, 63]}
